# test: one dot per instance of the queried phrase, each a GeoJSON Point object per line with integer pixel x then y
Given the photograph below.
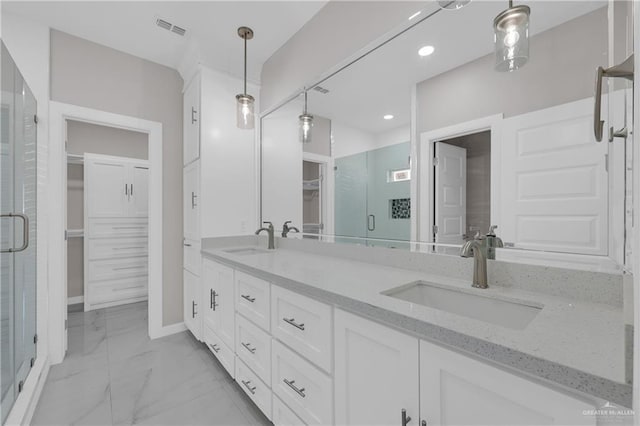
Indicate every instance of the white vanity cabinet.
{"type": "Point", "coordinates": [218, 300]}
{"type": "Point", "coordinates": [191, 121]}
{"type": "Point", "coordinates": [376, 373]}
{"type": "Point", "coordinates": [192, 304]}
{"type": "Point", "coordinates": [458, 390]}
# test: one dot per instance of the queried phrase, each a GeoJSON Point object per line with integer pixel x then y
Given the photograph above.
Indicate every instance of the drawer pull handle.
{"type": "Point", "coordinates": [292, 321]}
{"type": "Point", "coordinates": [186, 244]}
{"type": "Point", "coordinates": [130, 267]}
{"type": "Point", "coordinates": [215, 348]}
{"type": "Point", "coordinates": [212, 299]}
{"type": "Point", "coordinates": [405, 419]}
{"type": "Point", "coordinates": [247, 385]}
{"type": "Point", "coordinates": [249, 348]}
{"type": "Point", "coordinates": [292, 385]}
{"type": "Point", "coordinates": [128, 248]}
{"type": "Point", "coordinates": [249, 298]}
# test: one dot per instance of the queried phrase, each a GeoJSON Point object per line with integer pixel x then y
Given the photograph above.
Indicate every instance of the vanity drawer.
{"type": "Point", "coordinates": [108, 248]}
{"type": "Point", "coordinates": [111, 269]}
{"type": "Point", "coordinates": [220, 350]}
{"type": "Point", "coordinates": [117, 290]}
{"type": "Point", "coordinates": [302, 386]}
{"type": "Point", "coordinates": [126, 227]}
{"type": "Point", "coordinates": [303, 324]}
{"type": "Point", "coordinates": [252, 299]}
{"type": "Point", "coordinates": [191, 249]}
{"type": "Point", "coordinates": [283, 415]}
{"type": "Point", "coordinates": [253, 346]}
{"type": "Point", "coordinates": [255, 388]}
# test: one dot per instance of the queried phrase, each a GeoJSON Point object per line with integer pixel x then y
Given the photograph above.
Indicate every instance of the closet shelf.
{"type": "Point", "coordinates": [75, 233]}
{"type": "Point", "coordinates": [75, 158]}
{"type": "Point", "coordinates": [311, 185]}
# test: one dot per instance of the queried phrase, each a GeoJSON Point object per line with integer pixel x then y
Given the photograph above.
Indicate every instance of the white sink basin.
{"type": "Point", "coordinates": [245, 251]}
{"type": "Point", "coordinates": [507, 313]}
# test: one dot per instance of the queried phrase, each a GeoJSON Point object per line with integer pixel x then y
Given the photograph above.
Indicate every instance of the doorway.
{"type": "Point", "coordinates": [462, 187]}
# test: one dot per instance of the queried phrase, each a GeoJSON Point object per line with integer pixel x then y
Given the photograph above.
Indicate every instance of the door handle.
{"type": "Point", "coordinates": [132, 190]}
{"type": "Point", "coordinates": [623, 70]}
{"type": "Point", "coordinates": [212, 299]}
{"type": "Point", "coordinates": [25, 233]}
{"type": "Point", "coordinates": [193, 115]}
{"type": "Point", "coordinates": [193, 309]}
{"type": "Point", "coordinates": [193, 200]}
{"type": "Point", "coordinates": [371, 222]}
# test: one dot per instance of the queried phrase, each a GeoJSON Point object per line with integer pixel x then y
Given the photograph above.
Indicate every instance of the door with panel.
{"type": "Point", "coordinates": [110, 190]}
{"type": "Point", "coordinates": [450, 193]}
{"type": "Point", "coordinates": [458, 390]}
{"type": "Point", "coordinates": [191, 209]}
{"type": "Point", "coordinates": [191, 122]}
{"type": "Point", "coordinates": [390, 395]}
{"type": "Point", "coordinates": [218, 295]}
{"type": "Point", "coordinates": [139, 191]}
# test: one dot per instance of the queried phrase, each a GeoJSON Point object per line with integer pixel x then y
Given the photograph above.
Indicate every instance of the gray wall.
{"type": "Point", "coordinates": [335, 33]}
{"type": "Point", "coordinates": [94, 76]}
{"type": "Point", "coordinates": [561, 69]}
{"type": "Point", "coordinates": [81, 138]}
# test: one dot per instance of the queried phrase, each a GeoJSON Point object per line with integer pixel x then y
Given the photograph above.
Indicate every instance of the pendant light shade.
{"type": "Point", "coordinates": [511, 38]}
{"type": "Point", "coordinates": [306, 123]}
{"type": "Point", "coordinates": [245, 114]}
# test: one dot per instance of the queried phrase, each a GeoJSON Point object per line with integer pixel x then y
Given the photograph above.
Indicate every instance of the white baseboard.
{"type": "Point", "coordinates": [25, 406]}
{"type": "Point", "coordinates": [168, 330]}
{"type": "Point", "coordinates": [75, 300]}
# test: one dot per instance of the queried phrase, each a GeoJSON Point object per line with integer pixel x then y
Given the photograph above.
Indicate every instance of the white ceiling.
{"type": "Point", "coordinates": [130, 26]}
{"type": "Point", "coordinates": [381, 82]}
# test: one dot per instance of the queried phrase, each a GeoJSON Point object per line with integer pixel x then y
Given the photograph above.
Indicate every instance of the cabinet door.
{"type": "Point", "coordinates": [192, 305]}
{"type": "Point", "coordinates": [376, 373]}
{"type": "Point", "coordinates": [139, 191]}
{"type": "Point", "coordinates": [191, 118]}
{"type": "Point", "coordinates": [191, 201]}
{"type": "Point", "coordinates": [219, 310]}
{"type": "Point", "coordinates": [458, 390]}
{"type": "Point", "coordinates": [107, 190]}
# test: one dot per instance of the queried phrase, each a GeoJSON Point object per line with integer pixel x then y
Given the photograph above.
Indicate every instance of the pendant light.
{"type": "Point", "coordinates": [511, 37]}
{"type": "Point", "coordinates": [245, 109]}
{"type": "Point", "coordinates": [306, 122]}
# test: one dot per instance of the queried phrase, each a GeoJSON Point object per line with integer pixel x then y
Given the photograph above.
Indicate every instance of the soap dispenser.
{"type": "Point", "coordinates": [493, 242]}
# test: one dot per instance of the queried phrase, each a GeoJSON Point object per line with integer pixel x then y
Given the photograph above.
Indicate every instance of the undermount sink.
{"type": "Point", "coordinates": [510, 314]}
{"type": "Point", "coordinates": [245, 251]}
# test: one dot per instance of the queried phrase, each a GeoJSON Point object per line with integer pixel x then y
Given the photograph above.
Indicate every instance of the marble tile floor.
{"type": "Point", "coordinates": [114, 375]}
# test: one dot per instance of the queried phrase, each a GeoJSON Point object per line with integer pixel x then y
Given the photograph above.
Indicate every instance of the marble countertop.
{"type": "Point", "coordinates": [576, 344]}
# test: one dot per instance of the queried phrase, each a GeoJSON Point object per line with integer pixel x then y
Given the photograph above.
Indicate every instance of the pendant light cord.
{"type": "Point", "coordinates": [245, 64]}
{"type": "Point", "coordinates": [305, 102]}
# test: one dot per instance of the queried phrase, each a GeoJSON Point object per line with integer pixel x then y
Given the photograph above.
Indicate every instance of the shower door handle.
{"type": "Point", "coordinates": [623, 70]}
{"type": "Point", "coordinates": [25, 233]}
{"type": "Point", "coordinates": [371, 222]}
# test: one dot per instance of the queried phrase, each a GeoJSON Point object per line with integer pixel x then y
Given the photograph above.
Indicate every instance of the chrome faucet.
{"type": "Point", "coordinates": [478, 249]}
{"type": "Point", "coordinates": [493, 242]}
{"type": "Point", "coordinates": [286, 229]}
{"type": "Point", "coordinates": [269, 230]}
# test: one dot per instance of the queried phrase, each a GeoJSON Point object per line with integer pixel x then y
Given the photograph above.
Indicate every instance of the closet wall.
{"type": "Point", "coordinates": [81, 138]}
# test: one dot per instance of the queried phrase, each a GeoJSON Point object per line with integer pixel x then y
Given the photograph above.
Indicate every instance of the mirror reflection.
{"type": "Point", "coordinates": [458, 125]}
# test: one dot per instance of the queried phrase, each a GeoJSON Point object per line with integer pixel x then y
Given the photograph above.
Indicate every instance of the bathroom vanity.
{"type": "Point", "coordinates": [318, 333]}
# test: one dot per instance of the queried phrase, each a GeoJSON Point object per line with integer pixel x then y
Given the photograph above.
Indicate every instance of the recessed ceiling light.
{"type": "Point", "coordinates": [388, 116]}
{"type": "Point", "coordinates": [426, 50]}
{"type": "Point", "coordinates": [415, 14]}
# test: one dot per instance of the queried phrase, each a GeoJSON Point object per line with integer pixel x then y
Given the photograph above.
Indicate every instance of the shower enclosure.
{"type": "Point", "coordinates": [17, 231]}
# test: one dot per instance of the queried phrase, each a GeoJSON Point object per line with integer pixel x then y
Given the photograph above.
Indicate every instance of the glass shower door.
{"type": "Point", "coordinates": [17, 232]}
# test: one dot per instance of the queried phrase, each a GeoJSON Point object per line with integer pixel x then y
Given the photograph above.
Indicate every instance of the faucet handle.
{"type": "Point", "coordinates": [492, 231]}
{"type": "Point", "coordinates": [267, 222]}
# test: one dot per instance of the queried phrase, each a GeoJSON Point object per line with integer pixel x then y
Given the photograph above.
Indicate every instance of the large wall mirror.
{"type": "Point", "coordinates": [423, 140]}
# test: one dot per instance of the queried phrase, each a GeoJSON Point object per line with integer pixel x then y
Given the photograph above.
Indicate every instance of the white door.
{"type": "Point", "coordinates": [554, 181]}
{"type": "Point", "coordinates": [108, 188]}
{"type": "Point", "coordinates": [375, 373]}
{"type": "Point", "coordinates": [191, 122]}
{"type": "Point", "coordinates": [457, 390]}
{"type": "Point", "coordinates": [218, 300]}
{"type": "Point", "coordinates": [191, 201]}
{"type": "Point", "coordinates": [192, 305]}
{"type": "Point", "coordinates": [450, 193]}
{"type": "Point", "coordinates": [139, 191]}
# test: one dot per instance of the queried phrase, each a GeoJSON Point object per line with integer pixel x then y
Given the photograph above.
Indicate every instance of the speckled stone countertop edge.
{"type": "Point", "coordinates": [548, 371]}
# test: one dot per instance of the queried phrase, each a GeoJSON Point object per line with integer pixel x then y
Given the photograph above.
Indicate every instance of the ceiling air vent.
{"type": "Point", "coordinates": [321, 90]}
{"type": "Point", "coordinates": [170, 27]}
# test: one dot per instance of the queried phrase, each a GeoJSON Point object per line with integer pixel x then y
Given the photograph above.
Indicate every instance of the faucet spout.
{"type": "Point", "coordinates": [476, 249]}
{"type": "Point", "coordinates": [270, 232]}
